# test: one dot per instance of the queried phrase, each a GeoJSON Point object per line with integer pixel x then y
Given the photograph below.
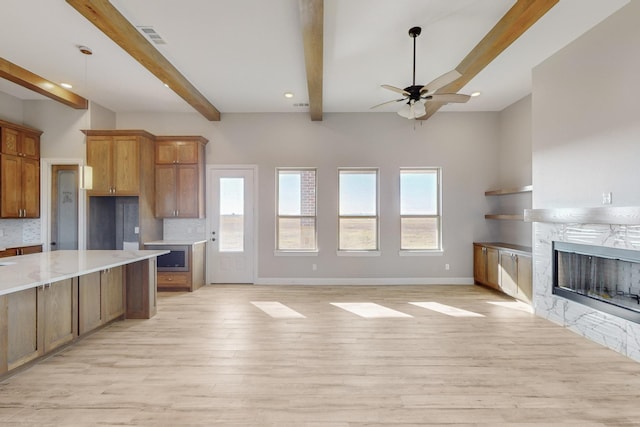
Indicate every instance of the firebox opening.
{"type": "Point", "coordinates": [603, 278]}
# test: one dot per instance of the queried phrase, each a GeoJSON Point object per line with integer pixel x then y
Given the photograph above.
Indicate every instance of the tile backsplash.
{"type": "Point", "coordinates": [181, 229]}
{"type": "Point", "coordinates": [16, 232]}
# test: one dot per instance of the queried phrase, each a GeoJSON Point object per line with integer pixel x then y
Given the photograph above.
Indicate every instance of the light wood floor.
{"type": "Point", "coordinates": [213, 358]}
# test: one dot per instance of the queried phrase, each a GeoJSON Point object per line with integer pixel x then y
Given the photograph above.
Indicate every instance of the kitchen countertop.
{"type": "Point", "coordinates": [175, 242]}
{"type": "Point", "coordinates": [28, 271]}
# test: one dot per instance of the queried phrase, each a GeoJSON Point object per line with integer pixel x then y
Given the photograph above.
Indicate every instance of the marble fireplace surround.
{"type": "Point", "coordinates": [616, 227]}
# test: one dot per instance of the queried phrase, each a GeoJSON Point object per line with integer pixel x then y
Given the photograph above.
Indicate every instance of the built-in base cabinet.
{"type": "Point", "coordinates": [36, 321]}
{"type": "Point", "coordinates": [101, 298]}
{"type": "Point", "coordinates": [504, 267]}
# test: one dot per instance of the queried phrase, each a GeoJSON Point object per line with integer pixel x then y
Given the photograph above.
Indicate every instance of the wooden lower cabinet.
{"type": "Point", "coordinates": [485, 266]}
{"type": "Point", "coordinates": [100, 298]}
{"type": "Point", "coordinates": [504, 269]}
{"type": "Point", "coordinates": [36, 321]}
{"type": "Point", "coordinates": [21, 250]}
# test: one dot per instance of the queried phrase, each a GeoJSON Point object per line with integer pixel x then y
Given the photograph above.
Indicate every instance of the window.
{"type": "Point", "coordinates": [420, 209]}
{"type": "Point", "coordinates": [296, 223]}
{"type": "Point", "coordinates": [358, 210]}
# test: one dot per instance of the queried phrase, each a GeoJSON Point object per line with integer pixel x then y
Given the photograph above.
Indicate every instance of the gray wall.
{"type": "Point", "coordinates": [586, 128]}
{"type": "Point", "coordinates": [463, 144]}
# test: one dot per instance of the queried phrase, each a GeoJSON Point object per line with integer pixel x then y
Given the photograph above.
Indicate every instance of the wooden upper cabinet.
{"type": "Point", "coordinates": [116, 159]}
{"type": "Point", "coordinates": [180, 176]}
{"type": "Point", "coordinates": [182, 150]}
{"type": "Point", "coordinates": [19, 171]}
{"type": "Point", "coordinates": [19, 141]}
{"type": "Point", "coordinates": [19, 187]}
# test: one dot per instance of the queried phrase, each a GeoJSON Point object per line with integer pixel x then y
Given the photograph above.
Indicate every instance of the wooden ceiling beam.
{"type": "Point", "coordinates": [512, 25]}
{"type": "Point", "coordinates": [31, 81]}
{"type": "Point", "coordinates": [112, 23]}
{"type": "Point", "coordinates": [312, 20]}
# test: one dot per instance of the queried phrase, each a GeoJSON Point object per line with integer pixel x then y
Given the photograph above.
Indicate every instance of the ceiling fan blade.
{"type": "Point", "coordinates": [441, 81]}
{"type": "Point", "coordinates": [387, 102]}
{"type": "Point", "coordinates": [447, 97]}
{"type": "Point", "coordinates": [396, 89]}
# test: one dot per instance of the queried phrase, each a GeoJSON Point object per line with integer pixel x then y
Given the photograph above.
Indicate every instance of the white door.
{"type": "Point", "coordinates": [230, 216]}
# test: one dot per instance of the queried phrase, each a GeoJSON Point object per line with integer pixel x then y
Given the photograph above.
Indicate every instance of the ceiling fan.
{"type": "Point", "coordinates": [417, 95]}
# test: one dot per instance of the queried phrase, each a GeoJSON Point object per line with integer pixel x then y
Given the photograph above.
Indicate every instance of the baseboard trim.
{"type": "Point", "coordinates": [364, 281]}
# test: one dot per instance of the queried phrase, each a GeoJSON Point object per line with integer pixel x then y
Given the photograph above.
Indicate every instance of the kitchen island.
{"type": "Point", "coordinates": [51, 299]}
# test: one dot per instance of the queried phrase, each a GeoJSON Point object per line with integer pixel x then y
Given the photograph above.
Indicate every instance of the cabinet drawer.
{"type": "Point", "coordinates": [173, 280]}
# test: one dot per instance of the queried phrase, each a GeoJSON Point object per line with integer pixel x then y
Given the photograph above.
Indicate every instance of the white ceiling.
{"type": "Point", "coordinates": [244, 54]}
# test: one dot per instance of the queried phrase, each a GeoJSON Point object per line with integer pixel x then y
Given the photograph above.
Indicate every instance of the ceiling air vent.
{"type": "Point", "coordinates": [301, 104]}
{"type": "Point", "coordinates": [152, 35]}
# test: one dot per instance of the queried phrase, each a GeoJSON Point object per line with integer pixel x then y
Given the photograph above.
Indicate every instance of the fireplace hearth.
{"type": "Point", "coordinates": [604, 278]}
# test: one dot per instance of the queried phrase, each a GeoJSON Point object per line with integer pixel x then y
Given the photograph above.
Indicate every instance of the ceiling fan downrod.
{"type": "Point", "coordinates": [413, 33]}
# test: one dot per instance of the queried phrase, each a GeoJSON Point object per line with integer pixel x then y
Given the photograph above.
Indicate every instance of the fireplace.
{"type": "Point", "coordinates": [603, 278]}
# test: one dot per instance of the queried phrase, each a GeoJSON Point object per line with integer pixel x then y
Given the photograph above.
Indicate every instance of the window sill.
{"type": "Point", "coordinates": [438, 252]}
{"type": "Point", "coordinates": [295, 253]}
{"type": "Point", "coordinates": [358, 253]}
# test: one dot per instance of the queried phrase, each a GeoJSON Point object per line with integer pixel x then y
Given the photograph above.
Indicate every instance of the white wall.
{"type": "Point", "coordinates": [586, 124]}
{"type": "Point", "coordinates": [586, 134]}
{"type": "Point", "coordinates": [514, 170]}
{"type": "Point", "coordinates": [463, 144]}
{"type": "Point", "coordinates": [11, 109]}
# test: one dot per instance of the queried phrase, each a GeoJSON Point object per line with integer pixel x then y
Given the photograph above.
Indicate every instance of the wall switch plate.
{"type": "Point", "coordinates": [446, 266]}
{"type": "Point", "coordinates": [1, 232]}
{"type": "Point", "coordinates": [314, 267]}
{"type": "Point", "coordinates": [606, 198]}
{"type": "Point", "coordinates": [136, 230]}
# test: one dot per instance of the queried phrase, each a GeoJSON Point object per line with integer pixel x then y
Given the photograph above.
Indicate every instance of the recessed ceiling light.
{"type": "Point", "coordinates": [66, 85]}
{"type": "Point", "coordinates": [288, 94]}
{"type": "Point", "coordinates": [474, 94]}
{"type": "Point", "coordinates": [166, 85]}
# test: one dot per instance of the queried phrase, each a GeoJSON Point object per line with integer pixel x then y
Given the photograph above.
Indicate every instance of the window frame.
{"type": "Point", "coordinates": [298, 251]}
{"type": "Point", "coordinates": [359, 252]}
{"type": "Point", "coordinates": [438, 216]}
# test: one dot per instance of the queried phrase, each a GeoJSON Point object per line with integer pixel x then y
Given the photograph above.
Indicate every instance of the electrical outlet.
{"type": "Point", "coordinates": [314, 267]}
{"type": "Point", "coordinates": [606, 198]}
{"type": "Point", "coordinates": [446, 266]}
{"type": "Point", "coordinates": [1, 232]}
{"type": "Point", "coordinates": [136, 230]}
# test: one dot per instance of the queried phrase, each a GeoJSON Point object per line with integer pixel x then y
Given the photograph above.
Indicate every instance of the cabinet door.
{"type": "Point", "coordinates": [187, 152]}
{"type": "Point", "coordinates": [10, 142]}
{"type": "Point", "coordinates": [188, 183]}
{"type": "Point", "coordinates": [165, 191]}
{"type": "Point", "coordinates": [30, 146]}
{"type": "Point", "coordinates": [24, 321]}
{"type": "Point", "coordinates": [100, 158]}
{"type": "Point", "coordinates": [10, 186]}
{"type": "Point", "coordinates": [525, 279]}
{"type": "Point", "coordinates": [112, 293]}
{"type": "Point", "coordinates": [493, 271]}
{"type": "Point", "coordinates": [509, 273]}
{"type": "Point", "coordinates": [479, 264]}
{"type": "Point", "coordinates": [127, 165]}
{"type": "Point", "coordinates": [165, 152]}
{"type": "Point", "coordinates": [25, 250]}
{"type": "Point", "coordinates": [89, 304]}
{"type": "Point", "coordinates": [30, 188]}
{"type": "Point", "coordinates": [60, 314]}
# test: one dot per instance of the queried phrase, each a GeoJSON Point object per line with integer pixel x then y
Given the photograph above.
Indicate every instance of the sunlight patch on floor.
{"type": "Point", "coordinates": [446, 309]}
{"type": "Point", "coordinates": [514, 305]}
{"type": "Point", "coordinates": [277, 310]}
{"type": "Point", "coordinates": [369, 310]}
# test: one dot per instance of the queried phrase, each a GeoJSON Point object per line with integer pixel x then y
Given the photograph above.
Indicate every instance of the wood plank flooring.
{"type": "Point", "coordinates": [211, 357]}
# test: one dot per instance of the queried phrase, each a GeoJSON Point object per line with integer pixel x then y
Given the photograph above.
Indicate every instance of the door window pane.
{"type": "Point", "coordinates": [231, 217]}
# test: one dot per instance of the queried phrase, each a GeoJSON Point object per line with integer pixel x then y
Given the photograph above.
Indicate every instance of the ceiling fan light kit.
{"type": "Point", "coordinates": [416, 96]}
